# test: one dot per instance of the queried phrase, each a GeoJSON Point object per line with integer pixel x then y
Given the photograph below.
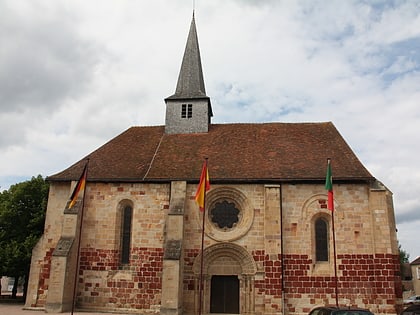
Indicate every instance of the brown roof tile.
{"type": "Point", "coordinates": [416, 261]}
{"type": "Point", "coordinates": [236, 152]}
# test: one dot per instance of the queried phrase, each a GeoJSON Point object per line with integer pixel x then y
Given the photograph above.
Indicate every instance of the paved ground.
{"type": "Point", "coordinates": [17, 309]}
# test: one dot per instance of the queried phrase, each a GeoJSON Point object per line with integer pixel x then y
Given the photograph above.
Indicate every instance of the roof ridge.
{"type": "Point", "coordinates": [250, 123]}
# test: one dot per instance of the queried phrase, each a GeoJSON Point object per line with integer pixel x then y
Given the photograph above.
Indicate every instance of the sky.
{"type": "Point", "coordinates": [74, 74]}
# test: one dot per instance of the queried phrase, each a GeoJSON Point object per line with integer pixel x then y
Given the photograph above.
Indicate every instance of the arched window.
{"type": "Point", "coordinates": [127, 214]}
{"type": "Point", "coordinates": [321, 239]}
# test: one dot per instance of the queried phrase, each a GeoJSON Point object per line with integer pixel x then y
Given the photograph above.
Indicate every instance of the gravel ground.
{"type": "Point", "coordinates": [17, 309]}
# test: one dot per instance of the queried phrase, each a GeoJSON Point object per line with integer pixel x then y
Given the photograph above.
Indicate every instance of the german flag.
{"type": "Point", "coordinates": [79, 187]}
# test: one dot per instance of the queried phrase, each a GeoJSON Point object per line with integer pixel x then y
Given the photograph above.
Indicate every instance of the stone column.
{"type": "Point", "coordinates": [173, 259]}
{"type": "Point", "coordinates": [64, 263]}
{"type": "Point", "coordinates": [383, 218]}
{"type": "Point", "coordinates": [272, 242]}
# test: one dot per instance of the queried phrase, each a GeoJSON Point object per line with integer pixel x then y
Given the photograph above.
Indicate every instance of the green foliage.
{"type": "Point", "coordinates": [22, 216]}
{"type": "Point", "coordinates": [404, 256]}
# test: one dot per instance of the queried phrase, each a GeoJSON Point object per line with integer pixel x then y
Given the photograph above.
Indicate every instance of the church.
{"type": "Point", "coordinates": [266, 243]}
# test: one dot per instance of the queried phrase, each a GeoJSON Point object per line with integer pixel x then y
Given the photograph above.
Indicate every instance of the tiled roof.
{"type": "Point", "coordinates": [235, 152]}
{"type": "Point", "coordinates": [416, 261]}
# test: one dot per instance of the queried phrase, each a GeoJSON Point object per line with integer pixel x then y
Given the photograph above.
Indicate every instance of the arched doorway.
{"type": "Point", "coordinates": [228, 279]}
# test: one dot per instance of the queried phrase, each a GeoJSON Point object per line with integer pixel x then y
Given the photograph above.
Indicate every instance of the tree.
{"type": "Point", "coordinates": [404, 256]}
{"type": "Point", "coordinates": [404, 266]}
{"type": "Point", "coordinates": [22, 216]}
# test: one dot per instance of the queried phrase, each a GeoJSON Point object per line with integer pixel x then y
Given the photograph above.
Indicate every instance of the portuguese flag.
{"type": "Point", "coordinates": [329, 186]}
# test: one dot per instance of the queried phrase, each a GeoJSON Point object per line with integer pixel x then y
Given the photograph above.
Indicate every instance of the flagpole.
{"type": "Point", "coordinates": [328, 186]}
{"type": "Point", "coordinates": [202, 250]}
{"type": "Point", "coordinates": [79, 241]}
{"type": "Point", "coordinates": [283, 291]}
{"type": "Point", "coordinates": [335, 260]}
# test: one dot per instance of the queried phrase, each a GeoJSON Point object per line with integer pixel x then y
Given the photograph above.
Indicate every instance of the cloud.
{"type": "Point", "coordinates": [75, 74]}
{"type": "Point", "coordinates": [43, 61]}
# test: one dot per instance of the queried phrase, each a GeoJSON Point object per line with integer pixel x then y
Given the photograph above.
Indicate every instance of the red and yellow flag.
{"type": "Point", "coordinates": [203, 186]}
{"type": "Point", "coordinates": [329, 186]}
{"type": "Point", "coordinates": [80, 186]}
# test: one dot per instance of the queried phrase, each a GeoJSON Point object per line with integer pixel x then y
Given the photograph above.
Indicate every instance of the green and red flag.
{"type": "Point", "coordinates": [329, 186]}
{"type": "Point", "coordinates": [203, 187]}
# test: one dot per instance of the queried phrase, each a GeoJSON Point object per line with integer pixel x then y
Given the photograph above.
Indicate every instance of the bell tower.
{"type": "Point", "coordinates": [189, 109]}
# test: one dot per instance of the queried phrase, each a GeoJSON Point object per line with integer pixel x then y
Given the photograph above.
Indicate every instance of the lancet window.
{"type": "Point", "coordinates": [321, 239]}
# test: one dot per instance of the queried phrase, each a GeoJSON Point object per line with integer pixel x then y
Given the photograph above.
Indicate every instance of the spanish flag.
{"type": "Point", "coordinates": [329, 186]}
{"type": "Point", "coordinates": [80, 186]}
{"type": "Point", "coordinates": [203, 186]}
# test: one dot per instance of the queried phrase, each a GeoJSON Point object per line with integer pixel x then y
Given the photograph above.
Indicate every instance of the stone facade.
{"type": "Point", "coordinates": [165, 278]}
{"type": "Point", "coordinates": [415, 271]}
{"type": "Point", "coordinates": [268, 243]}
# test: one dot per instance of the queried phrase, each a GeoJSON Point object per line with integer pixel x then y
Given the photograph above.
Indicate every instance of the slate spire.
{"type": "Point", "coordinates": [190, 80]}
{"type": "Point", "coordinates": [189, 109]}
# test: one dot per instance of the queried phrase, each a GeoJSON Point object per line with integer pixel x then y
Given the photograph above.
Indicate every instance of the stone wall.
{"type": "Point", "coordinates": [198, 122]}
{"type": "Point", "coordinates": [367, 262]}
{"type": "Point", "coordinates": [367, 257]}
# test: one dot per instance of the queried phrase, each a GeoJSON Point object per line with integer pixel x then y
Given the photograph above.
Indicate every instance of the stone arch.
{"type": "Point", "coordinates": [317, 204]}
{"type": "Point", "coordinates": [226, 259]}
{"type": "Point", "coordinates": [314, 208]}
{"type": "Point", "coordinates": [234, 253]}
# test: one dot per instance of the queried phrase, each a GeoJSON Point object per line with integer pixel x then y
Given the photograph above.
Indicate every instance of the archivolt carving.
{"type": "Point", "coordinates": [226, 251]}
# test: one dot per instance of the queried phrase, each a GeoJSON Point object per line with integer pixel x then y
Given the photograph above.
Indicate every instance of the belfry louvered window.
{"type": "Point", "coordinates": [126, 234]}
{"type": "Point", "coordinates": [321, 239]}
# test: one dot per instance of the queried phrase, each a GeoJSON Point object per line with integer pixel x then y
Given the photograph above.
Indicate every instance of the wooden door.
{"type": "Point", "coordinates": [224, 295]}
